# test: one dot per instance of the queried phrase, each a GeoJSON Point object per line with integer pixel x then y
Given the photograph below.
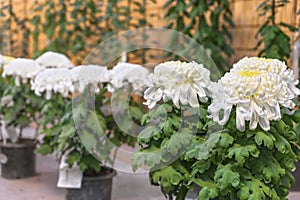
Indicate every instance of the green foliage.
{"type": "Point", "coordinates": [247, 165]}
{"type": "Point", "coordinates": [76, 27]}
{"type": "Point", "coordinates": [207, 22]}
{"type": "Point", "coordinates": [69, 28]}
{"type": "Point", "coordinates": [274, 41]}
{"type": "Point", "coordinates": [62, 135]}
{"type": "Point", "coordinates": [163, 145]}
{"type": "Point", "coordinates": [171, 178]}
{"type": "Point", "coordinates": [11, 24]}
{"type": "Point", "coordinates": [93, 139]}
{"type": "Point", "coordinates": [18, 104]}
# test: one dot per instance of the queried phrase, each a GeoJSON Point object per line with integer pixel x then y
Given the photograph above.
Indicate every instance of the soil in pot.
{"type": "Point", "coordinates": [95, 186]}
{"type": "Point", "coordinates": [20, 159]}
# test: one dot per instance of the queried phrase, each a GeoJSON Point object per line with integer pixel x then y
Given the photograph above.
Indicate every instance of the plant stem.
{"type": "Point", "coordinates": [273, 12]}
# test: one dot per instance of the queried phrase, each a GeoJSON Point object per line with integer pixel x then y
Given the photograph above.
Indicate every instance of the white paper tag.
{"type": "Point", "coordinates": [8, 132]}
{"type": "Point", "coordinates": [69, 177]}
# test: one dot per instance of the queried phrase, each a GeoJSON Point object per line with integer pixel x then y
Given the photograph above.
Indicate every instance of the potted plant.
{"type": "Point", "coordinates": [252, 160]}
{"type": "Point", "coordinates": [18, 108]}
{"type": "Point", "coordinates": [236, 159]}
{"type": "Point", "coordinates": [83, 136]}
{"type": "Point", "coordinates": [182, 91]}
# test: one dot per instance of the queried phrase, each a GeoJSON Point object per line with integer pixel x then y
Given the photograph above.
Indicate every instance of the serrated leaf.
{"type": "Point", "coordinates": [205, 149]}
{"type": "Point", "coordinates": [267, 168]}
{"type": "Point", "coordinates": [149, 157]}
{"type": "Point", "coordinates": [282, 144]}
{"type": "Point", "coordinates": [208, 191]}
{"type": "Point", "coordinates": [256, 189]}
{"type": "Point", "coordinates": [264, 138]}
{"type": "Point", "coordinates": [146, 134]}
{"type": "Point", "coordinates": [242, 153]}
{"type": "Point", "coordinates": [169, 177]}
{"type": "Point", "coordinates": [178, 141]}
{"type": "Point", "coordinates": [226, 178]}
{"type": "Point", "coordinates": [200, 166]}
{"type": "Point", "coordinates": [225, 140]}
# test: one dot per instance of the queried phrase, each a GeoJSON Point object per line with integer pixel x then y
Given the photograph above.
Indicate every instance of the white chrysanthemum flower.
{"type": "Point", "coordinates": [54, 60]}
{"type": "Point", "coordinates": [91, 75]}
{"type": "Point", "coordinates": [127, 73]}
{"type": "Point", "coordinates": [181, 82]}
{"type": "Point", "coordinates": [55, 80]}
{"type": "Point", "coordinates": [21, 69]}
{"type": "Point", "coordinates": [257, 87]}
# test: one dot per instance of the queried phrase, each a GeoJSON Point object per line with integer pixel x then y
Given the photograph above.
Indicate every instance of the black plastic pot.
{"type": "Point", "coordinates": [93, 188]}
{"type": "Point", "coordinates": [296, 174]}
{"type": "Point", "coordinates": [193, 194]}
{"type": "Point", "coordinates": [20, 160]}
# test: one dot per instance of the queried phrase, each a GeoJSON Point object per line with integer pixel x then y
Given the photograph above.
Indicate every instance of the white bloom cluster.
{"type": "Point", "coordinates": [55, 80]}
{"type": "Point", "coordinates": [89, 75]}
{"type": "Point", "coordinates": [257, 87]}
{"type": "Point", "coordinates": [127, 73]}
{"type": "Point", "coordinates": [181, 82]}
{"type": "Point", "coordinates": [54, 60]}
{"type": "Point", "coordinates": [21, 69]}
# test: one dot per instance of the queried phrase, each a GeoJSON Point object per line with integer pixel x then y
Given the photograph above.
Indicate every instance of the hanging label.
{"type": "Point", "coordinates": [69, 177]}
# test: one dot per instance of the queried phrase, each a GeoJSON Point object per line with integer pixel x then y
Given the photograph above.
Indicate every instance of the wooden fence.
{"type": "Point", "coordinates": [245, 17]}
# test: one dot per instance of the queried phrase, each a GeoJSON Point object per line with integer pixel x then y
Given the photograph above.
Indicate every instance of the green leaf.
{"type": "Point", "coordinates": [290, 27]}
{"type": "Point", "coordinates": [146, 134]}
{"type": "Point", "coordinates": [225, 140]}
{"type": "Point", "coordinates": [68, 131]}
{"type": "Point", "coordinates": [135, 112]}
{"type": "Point", "coordinates": [88, 139]}
{"type": "Point", "coordinates": [256, 189]}
{"type": "Point", "coordinates": [169, 177]}
{"type": "Point", "coordinates": [205, 149]}
{"type": "Point", "coordinates": [44, 149]}
{"type": "Point", "coordinates": [208, 190]}
{"type": "Point", "coordinates": [242, 153]}
{"type": "Point", "coordinates": [22, 121]}
{"type": "Point", "coordinates": [226, 178]}
{"type": "Point", "coordinates": [150, 157]}
{"type": "Point", "coordinates": [73, 157]}
{"type": "Point", "coordinates": [266, 168]}
{"type": "Point", "coordinates": [282, 144]}
{"type": "Point", "coordinates": [178, 141]}
{"type": "Point", "coordinates": [264, 138]}
{"type": "Point", "coordinates": [296, 115]}
{"type": "Point", "coordinates": [200, 166]}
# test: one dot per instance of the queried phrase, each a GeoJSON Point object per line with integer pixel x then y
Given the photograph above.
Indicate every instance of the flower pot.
{"type": "Point", "coordinates": [193, 194]}
{"type": "Point", "coordinates": [93, 188]}
{"type": "Point", "coordinates": [296, 174]}
{"type": "Point", "coordinates": [20, 159]}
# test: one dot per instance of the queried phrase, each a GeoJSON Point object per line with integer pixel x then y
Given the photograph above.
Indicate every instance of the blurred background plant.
{"type": "Point", "coordinates": [207, 22]}
{"type": "Point", "coordinates": [75, 27]}
{"type": "Point", "coordinates": [274, 38]}
{"type": "Point", "coordinates": [226, 29]}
